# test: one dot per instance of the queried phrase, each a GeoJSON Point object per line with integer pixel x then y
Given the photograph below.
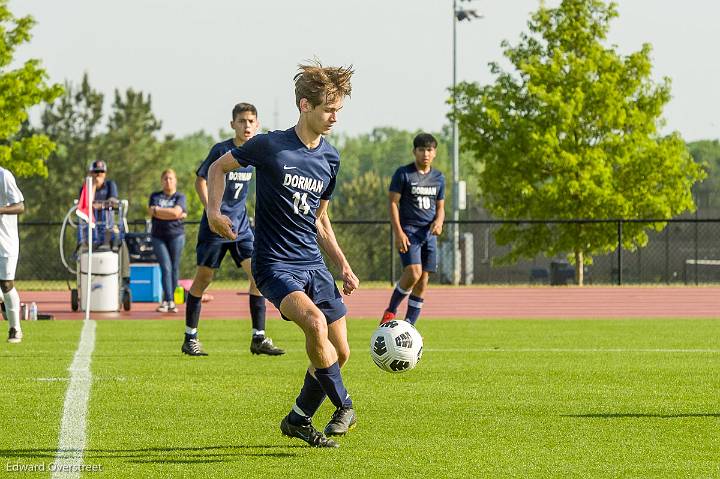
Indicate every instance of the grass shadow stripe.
{"type": "Point", "coordinates": [631, 415]}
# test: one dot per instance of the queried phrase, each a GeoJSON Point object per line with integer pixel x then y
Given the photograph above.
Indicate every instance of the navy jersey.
{"type": "Point", "coordinates": [167, 228]}
{"type": "Point", "coordinates": [108, 189]}
{"type": "Point", "coordinates": [291, 181]}
{"type": "Point", "coordinates": [418, 194]}
{"type": "Point", "coordinates": [233, 200]}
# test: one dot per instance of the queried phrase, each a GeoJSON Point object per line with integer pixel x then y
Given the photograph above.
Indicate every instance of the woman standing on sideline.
{"type": "Point", "coordinates": [168, 208]}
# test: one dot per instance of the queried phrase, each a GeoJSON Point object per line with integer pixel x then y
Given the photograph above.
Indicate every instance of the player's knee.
{"type": "Point", "coordinates": [422, 282]}
{"type": "Point", "coordinates": [415, 273]}
{"type": "Point", "coordinates": [203, 278]}
{"type": "Point", "coordinates": [315, 325]}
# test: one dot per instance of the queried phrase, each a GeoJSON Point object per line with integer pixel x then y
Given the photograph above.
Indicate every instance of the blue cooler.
{"type": "Point", "coordinates": [145, 282]}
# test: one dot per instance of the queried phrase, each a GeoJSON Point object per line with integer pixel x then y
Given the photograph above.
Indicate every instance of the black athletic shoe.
{"type": "Point", "coordinates": [192, 347]}
{"type": "Point", "coordinates": [342, 420]}
{"type": "Point", "coordinates": [263, 345]}
{"type": "Point", "coordinates": [14, 336]}
{"type": "Point", "coordinates": [307, 433]}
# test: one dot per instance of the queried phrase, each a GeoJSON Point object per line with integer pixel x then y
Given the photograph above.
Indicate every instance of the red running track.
{"type": "Point", "coordinates": [459, 302]}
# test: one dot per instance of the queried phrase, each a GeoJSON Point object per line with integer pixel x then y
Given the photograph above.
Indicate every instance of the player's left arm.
{"type": "Point", "coordinates": [13, 209]}
{"type": "Point", "coordinates": [327, 241]}
{"type": "Point", "coordinates": [437, 225]}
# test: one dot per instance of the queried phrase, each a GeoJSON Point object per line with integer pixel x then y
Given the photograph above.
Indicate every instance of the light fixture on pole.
{"type": "Point", "coordinates": [459, 14]}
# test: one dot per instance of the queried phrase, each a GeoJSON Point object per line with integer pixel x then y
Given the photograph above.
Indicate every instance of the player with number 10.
{"type": "Point", "coordinates": [417, 213]}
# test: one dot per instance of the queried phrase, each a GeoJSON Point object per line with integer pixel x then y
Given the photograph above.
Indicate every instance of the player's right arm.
{"type": "Point", "coordinates": [402, 242]}
{"type": "Point", "coordinates": [201, 175]}
{"type": "Point", "coordinates": [202, 190]}
{"type": "Point", "coordinates": [218, 222]}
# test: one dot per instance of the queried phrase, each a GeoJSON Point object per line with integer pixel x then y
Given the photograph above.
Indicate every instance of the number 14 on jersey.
{"type": "Point", "coordinates": [300, 203]}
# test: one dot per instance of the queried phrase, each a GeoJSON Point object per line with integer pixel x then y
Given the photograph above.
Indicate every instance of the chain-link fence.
{"type": "Point", "coordinates": [686, 251]}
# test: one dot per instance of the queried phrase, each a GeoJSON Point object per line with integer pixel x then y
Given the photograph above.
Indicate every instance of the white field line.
{"type": "Point", "coordinates": [71, 445]}
{"type": "Point", "coordinates": [572, 350]}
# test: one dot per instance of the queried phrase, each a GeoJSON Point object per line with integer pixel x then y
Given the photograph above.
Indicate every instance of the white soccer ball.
{"type": "Point", "coordinates": [396, 346]}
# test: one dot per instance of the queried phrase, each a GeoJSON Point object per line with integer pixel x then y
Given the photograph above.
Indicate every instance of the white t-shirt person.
{"type": "Point", "coordinates": [9, 195]}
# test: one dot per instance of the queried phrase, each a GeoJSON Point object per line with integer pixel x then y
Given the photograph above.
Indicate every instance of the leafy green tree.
{"type": "Point", "coordinates": [134, 155]}
{"type": "Point", "coordinates": [707, 153]}
{"type": "Point", "coordinates": [363, 197]}
{"type": "Point", "coordinates": [572, 132]}
{"type": "Point", "coordinates": [72, 122]}
{"type": "Point", "coordinates": [20, 89]}
{"type": "Point", "coordinates": [185, 155]}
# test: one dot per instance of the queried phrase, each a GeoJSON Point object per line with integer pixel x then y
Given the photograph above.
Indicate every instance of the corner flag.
{"type": "Point", "coordinates": [84, 207]}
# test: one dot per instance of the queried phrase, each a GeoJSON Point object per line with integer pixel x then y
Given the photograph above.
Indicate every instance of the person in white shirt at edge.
{"type": "Point", "coordinates": [11, 205]}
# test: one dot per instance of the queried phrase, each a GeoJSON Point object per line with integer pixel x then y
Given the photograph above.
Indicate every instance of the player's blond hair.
{"type": "Point", "coordinates": [317, 83]}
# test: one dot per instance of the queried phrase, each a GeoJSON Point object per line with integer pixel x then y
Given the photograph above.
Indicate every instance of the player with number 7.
{"type": "Point", "coordinates": [211, 247]}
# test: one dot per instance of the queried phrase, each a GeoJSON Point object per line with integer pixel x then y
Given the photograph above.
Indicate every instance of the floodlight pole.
{"type": "Point", "coordinates": [455, 162]}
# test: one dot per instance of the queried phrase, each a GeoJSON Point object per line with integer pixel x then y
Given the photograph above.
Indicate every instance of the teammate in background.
{"type": "Point", "coordinates": [417, 212]}
{"type": "Point", "coordinates": [168, 209]}
{"type": "Point", "coordinates": [11, 205]}
{"type": "Point", "coordinates": [211, 247]}
{"type": "Point", "coordinates": [296, 174]}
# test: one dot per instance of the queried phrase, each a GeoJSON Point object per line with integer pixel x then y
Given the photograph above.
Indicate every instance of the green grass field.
{"type": "Point", "coordinates": [506, 398]}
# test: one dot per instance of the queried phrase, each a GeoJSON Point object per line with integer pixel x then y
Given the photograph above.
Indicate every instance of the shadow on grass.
{"type": "Point", "coordinates": [642, 415]}
{"type": "Point", "coordinates": [168, 455]}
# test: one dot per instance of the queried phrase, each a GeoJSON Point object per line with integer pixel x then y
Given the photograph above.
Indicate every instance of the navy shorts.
{"type": "Point", "coordinates": [422, 250]}
{"type": "Point", "coordinates": [211, 253]}
{"type": "Point", "coordinates": [276, 282]}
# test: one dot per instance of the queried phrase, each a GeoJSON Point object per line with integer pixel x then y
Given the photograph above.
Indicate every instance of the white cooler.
{"type": "Point", "coordinates": [104, 287]}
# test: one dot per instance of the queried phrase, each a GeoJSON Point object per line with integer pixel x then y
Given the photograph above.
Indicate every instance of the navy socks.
{"type": "Point", "coordinates": [331, 382]}
{"type": "Point", "coordinates": [397, 297]}
{"type": "Point", "coordinates": [327, 381]}
{"type": "Point", "coordinates": [415, 305]}
{"type": "Point", "coordinates": [192, 316]}
{"type": "Point", "coordinates": [257, 312]}
{"type": "Point", "coordinates": [308, 401]}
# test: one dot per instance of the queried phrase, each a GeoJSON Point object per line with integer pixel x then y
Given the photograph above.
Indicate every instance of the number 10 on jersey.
{"type": "Point", "coordinates": [423, 202]}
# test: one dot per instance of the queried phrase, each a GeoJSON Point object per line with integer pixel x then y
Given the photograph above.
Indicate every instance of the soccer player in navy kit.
{"type": "Point", "coordinates": [417, 212]}
{"type": "Point", "coordinates": [211, 248]}
{"type": "Point", "coordinates": [296, 175]}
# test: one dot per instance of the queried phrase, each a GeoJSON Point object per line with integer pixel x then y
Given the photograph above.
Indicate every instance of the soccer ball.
{"type": "Point", "coordinates": [396, 346]}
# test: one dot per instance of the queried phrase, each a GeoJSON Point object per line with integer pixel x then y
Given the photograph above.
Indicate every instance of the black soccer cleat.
{"type": "Point", "coordinates": [307, 433]}
{"type": "Point", "coordinates": [342, 420]}
{"type": "Point", "coordinates": [192, 347]}
{"type": "Point", "coordinates": [263, 345]}
{"type": "Point", "coordinates": [14, 336]}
